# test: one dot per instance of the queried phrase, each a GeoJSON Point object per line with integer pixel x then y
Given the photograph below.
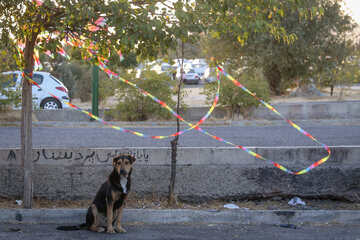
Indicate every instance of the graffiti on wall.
{"type": "Point", "coordinates": [82, 157]}
{"type": "Point", "coordinates": [11, 156]}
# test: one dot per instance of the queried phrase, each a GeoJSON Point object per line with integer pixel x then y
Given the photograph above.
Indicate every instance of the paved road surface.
{"type": "Point", "coordinates": [185, 231]}
{"type": "Point", "coordinates": [256, 136]}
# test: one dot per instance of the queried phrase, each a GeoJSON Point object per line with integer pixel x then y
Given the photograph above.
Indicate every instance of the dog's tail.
{"type": "Point", "coordinates": [72, 228]}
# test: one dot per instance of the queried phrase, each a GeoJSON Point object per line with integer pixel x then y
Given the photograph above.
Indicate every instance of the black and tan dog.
{"type": "Point", "coordinates": [109, 202]}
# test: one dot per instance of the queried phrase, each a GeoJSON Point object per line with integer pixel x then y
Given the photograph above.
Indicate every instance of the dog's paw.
{"type": "Point", "coordinates": [119, 229]}
{"type": "Point", "coordinates": [110, 230]}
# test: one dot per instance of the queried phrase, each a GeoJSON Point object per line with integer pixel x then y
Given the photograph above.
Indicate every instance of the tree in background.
{"type": "Point", "coordinates": [313, 37]}
{"type": "Point", "coordinates": [344, 73]}
{"type": "Point", "coordinates": [192, 50]}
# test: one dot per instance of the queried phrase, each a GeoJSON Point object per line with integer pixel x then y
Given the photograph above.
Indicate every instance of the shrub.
{"type": "Point", "coordinates": [345, 74]}
{"type": "Point", "coordinates": [12, 96]}
{"type": "Point", "coordinates": [233, 98]}
{"type": "Point", "coordinates": [11, 93]}
{"type": "Point", "coordinates": [136, 106]}
{"type": "Point", "coordinates": [106, 87]}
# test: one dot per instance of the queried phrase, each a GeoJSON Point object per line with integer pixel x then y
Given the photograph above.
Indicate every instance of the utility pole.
{"type": "Point", "coordinates": [95, 91]}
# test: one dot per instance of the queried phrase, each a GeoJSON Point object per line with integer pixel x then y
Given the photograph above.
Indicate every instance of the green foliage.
{"type": "Point", "coordinates": [146, 29]}
{"type": "Point", "coordinates": [317, 36]}
{"type": "Point", "coordinates": [233, 98]}
{"type": "Point", "coordinates": [135, 106]}
{"type": "Point", "coordinates": [10, 92]}
{"type": "Point", "coordinates": [238, 20]}
{"type": "Point", "coordinates": [74, 74]}
{"type": "Point", "coordinates": [139, 29]}
{"type": "Point", "coordinates": [142, 29]}
{"type": "Point", "coordinates": [83, 84]}
{"type": "Point", "coordinates": [192, 50]}
{"type": "Point", "coordinates": [106, 87]}
{"type": "Point", "coordinates": [347, 73]}
{"type": "Point", "coordinates": [128, 62]}
{"type": "Point", "coordinates": [64, 74]}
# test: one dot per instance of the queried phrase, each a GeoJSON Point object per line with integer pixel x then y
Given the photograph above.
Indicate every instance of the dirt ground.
{"type": "Point", "coordinates": [339, 94]}
{"type": "Point", "coordinates": [161, 203]}
{"type": "Point", "coordinates": [196, 99]}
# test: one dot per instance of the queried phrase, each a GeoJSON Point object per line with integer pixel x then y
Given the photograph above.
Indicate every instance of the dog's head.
{"type": "Point", "coordinates": [123, 164]}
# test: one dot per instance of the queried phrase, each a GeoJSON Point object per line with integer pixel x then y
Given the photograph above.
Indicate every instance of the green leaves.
{"type": "Point", "coordinates": [289, 45]}
{"type": "Point", "coordinates": [233, 98]}
{"type": "Point", "coordinates": [135, 106]}
{"type": "Point", "coordinates": [142, 28]}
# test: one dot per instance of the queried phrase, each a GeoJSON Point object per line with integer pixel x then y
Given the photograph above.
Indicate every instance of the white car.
{"type": "Point", "coordinates": [199, 68]}
{"type": "Point", "coordinates": [201, 61]}
{"type": "Point", "coordinates": [189, 76]}
{"type": "Point", "coordinates": [41, 97]}
{"type": "Point", "coordinates": [210, 75]}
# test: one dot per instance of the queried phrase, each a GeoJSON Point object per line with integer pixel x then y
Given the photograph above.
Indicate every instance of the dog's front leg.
{"type": "Point", "coordinates": [118, 220]}
{"type": "Point", "coordinates": [109, 215]}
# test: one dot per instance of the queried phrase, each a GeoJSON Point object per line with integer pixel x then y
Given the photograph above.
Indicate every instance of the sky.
{"type": "Point", "coordinates": [353, 8]}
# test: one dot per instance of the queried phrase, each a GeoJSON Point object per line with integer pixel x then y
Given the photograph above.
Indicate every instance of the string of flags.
{"type": "Point", "coordinates": [76, 41]}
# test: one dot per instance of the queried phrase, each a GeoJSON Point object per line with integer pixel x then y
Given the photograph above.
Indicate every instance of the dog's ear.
{"type": "Point", "coordinates": [132, 159]}
{"type": "Point", "coordinates": [115, 159]}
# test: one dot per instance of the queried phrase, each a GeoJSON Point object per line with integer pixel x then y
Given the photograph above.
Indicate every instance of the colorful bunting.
{"type": "Point", "coordinates": [92, 51]}
{"type": "Point", "coordinates": [37, 63]}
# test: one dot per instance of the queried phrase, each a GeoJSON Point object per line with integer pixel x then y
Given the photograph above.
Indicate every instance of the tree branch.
{"type": "Point", "coordinates": [166, 5]}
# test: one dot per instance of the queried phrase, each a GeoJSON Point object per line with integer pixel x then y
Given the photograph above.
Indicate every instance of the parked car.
{"type": "Point", "coordinates": [189, 76]}
{"type": "Point", "coordinates": [199, 68]}
{"type": "Point", "coordinates": [41, 97]}
{"type": "Point", "coordinates": [168, 69]}
{"type": "Point", "coordinates": [200, 61]}
{"type": "Point", "coordinates": [210, 75]}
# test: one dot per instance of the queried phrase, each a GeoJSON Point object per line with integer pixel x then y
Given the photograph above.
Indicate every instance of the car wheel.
{"type": "Point", "coordinates": [50, 104]}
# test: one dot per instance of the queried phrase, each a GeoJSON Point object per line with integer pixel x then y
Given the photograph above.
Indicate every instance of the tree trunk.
{"type": "Point", "coordinates": [331, 89]}
{"type": "Point", "coordinates": [26, 123]}
{"type": "Point", "coordinates": [174, 142]}
{"type": "Point", "coordinates": [273, 76]}
{"type": "Point", "coordinates": [172, 197]}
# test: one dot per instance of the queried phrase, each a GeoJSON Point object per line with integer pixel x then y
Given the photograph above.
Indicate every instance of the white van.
{"type": "Point", "coordinates": [41, 97]}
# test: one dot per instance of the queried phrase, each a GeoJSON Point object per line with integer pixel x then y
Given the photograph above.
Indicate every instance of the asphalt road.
{"type": "Point", "coordinates": [248, 136]}
{"type": "Point", "coordinates": [185, 231]}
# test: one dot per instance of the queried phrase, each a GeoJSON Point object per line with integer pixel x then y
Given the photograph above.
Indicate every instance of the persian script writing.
{"type": "Point", "coordinates": [83, 157]}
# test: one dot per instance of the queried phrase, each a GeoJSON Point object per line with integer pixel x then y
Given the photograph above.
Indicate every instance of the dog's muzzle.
{"type": "Point", "coordinates": [123, 172]}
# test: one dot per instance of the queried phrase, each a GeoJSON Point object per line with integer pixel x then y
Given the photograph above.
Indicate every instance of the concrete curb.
{"type": "Point", "coordinates": [294, 110]}
{"type": "Point", "coordinates": [75, 216]}
{"type": "Point", "coordinates": [152, 124]}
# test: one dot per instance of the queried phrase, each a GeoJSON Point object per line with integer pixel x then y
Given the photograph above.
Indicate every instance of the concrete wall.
{"type": "Point", "coordinates": [314, 110]}
{"type": "Point", "coordinates": [202, 173]}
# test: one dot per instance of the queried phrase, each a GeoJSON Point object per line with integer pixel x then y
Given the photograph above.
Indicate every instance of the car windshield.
{"type": "Point", "coordinates": [190, 71]}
